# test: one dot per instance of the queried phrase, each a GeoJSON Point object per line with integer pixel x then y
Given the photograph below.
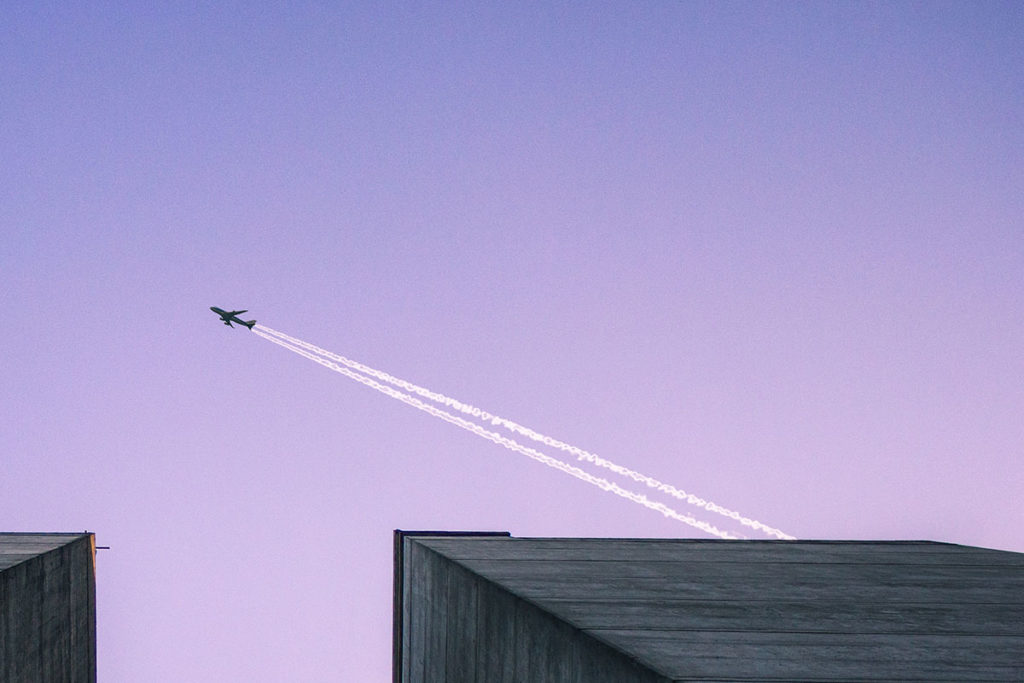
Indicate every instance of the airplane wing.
{"type": "Point", "coordinates": [237, 312]}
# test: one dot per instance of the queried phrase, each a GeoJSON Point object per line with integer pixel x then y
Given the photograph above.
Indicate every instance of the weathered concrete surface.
{"type": "Point", "coordinates": [723, 610]}
{"type": "Point", "coordinates": [455, 626]}
{"type": "Point", "coordinates": [47, 608]}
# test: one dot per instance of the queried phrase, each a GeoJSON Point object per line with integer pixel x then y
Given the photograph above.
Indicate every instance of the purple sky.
{"type": "Point", "coordinates": [770, 253]}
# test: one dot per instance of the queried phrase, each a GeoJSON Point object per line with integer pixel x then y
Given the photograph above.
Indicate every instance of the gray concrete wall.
{"type": "Point", "coordinates": [714, 610]}
{"type": "Point", "coordinates": [48, 612]}
{"type": "Point", "coordinates": [457, 627]}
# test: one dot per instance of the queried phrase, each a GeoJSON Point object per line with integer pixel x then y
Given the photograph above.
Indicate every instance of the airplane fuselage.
{"type": "Point", "coordinates": [232, 316]}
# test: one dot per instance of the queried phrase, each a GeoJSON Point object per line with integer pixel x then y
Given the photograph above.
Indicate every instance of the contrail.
{"type": "Point", "coordinates": [510, 444]}
{"type": "Point", "coordinates": [535, 436]}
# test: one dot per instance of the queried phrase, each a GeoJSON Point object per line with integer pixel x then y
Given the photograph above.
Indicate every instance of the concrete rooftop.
{"type": "Point", "coordinates": [19, 547]}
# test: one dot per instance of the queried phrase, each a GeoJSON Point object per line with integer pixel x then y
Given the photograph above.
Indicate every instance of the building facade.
{"type": "Point", "coordinates": [47, 608]}
{"type": "Point", "coordinates": [493, 608]}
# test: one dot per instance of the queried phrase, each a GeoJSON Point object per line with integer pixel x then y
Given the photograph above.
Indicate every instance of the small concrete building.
{"type": "Point", "coordinates": [47, 608]}
{"type": "Point", "coordinates": [491, 608]}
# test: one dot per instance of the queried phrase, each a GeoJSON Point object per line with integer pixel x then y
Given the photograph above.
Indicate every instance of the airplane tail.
{"type": "Point", "coordinates": [249, 323]}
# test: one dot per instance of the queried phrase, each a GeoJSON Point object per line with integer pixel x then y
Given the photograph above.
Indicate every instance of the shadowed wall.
{"type": "Point", "coordinates": [47, 608]}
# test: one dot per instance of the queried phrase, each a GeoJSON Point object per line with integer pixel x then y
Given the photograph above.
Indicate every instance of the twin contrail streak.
{"type": "Point", "coordinates": [508, 443]}
{"type": "Point", "coordinates": [465, 408]}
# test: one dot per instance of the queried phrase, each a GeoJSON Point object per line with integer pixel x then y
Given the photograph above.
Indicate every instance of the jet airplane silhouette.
{"type": "Point", "coordinates": [232, 316]}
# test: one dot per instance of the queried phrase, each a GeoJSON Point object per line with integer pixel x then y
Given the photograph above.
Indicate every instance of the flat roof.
{"type": "Point", "coordinates": [16, 548]}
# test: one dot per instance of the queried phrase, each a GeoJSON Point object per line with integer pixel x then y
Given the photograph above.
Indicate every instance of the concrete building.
{"type": "Point", "coordinates": [47, 608]}
{"type": "Point", "coordinates": [495, 609]}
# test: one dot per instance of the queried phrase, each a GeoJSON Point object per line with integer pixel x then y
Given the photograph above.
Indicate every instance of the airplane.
{"type": "Point", "coordinates": [229, 316]}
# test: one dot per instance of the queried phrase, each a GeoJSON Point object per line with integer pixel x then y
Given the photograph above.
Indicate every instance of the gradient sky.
{"type": "Point", "coordinates": [770, 253]}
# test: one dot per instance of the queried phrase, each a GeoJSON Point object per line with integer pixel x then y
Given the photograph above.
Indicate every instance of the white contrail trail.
{"type": "Point", "coordinates": [535, 436]}
{"type": "Point", "coordinates": [510, 444]}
